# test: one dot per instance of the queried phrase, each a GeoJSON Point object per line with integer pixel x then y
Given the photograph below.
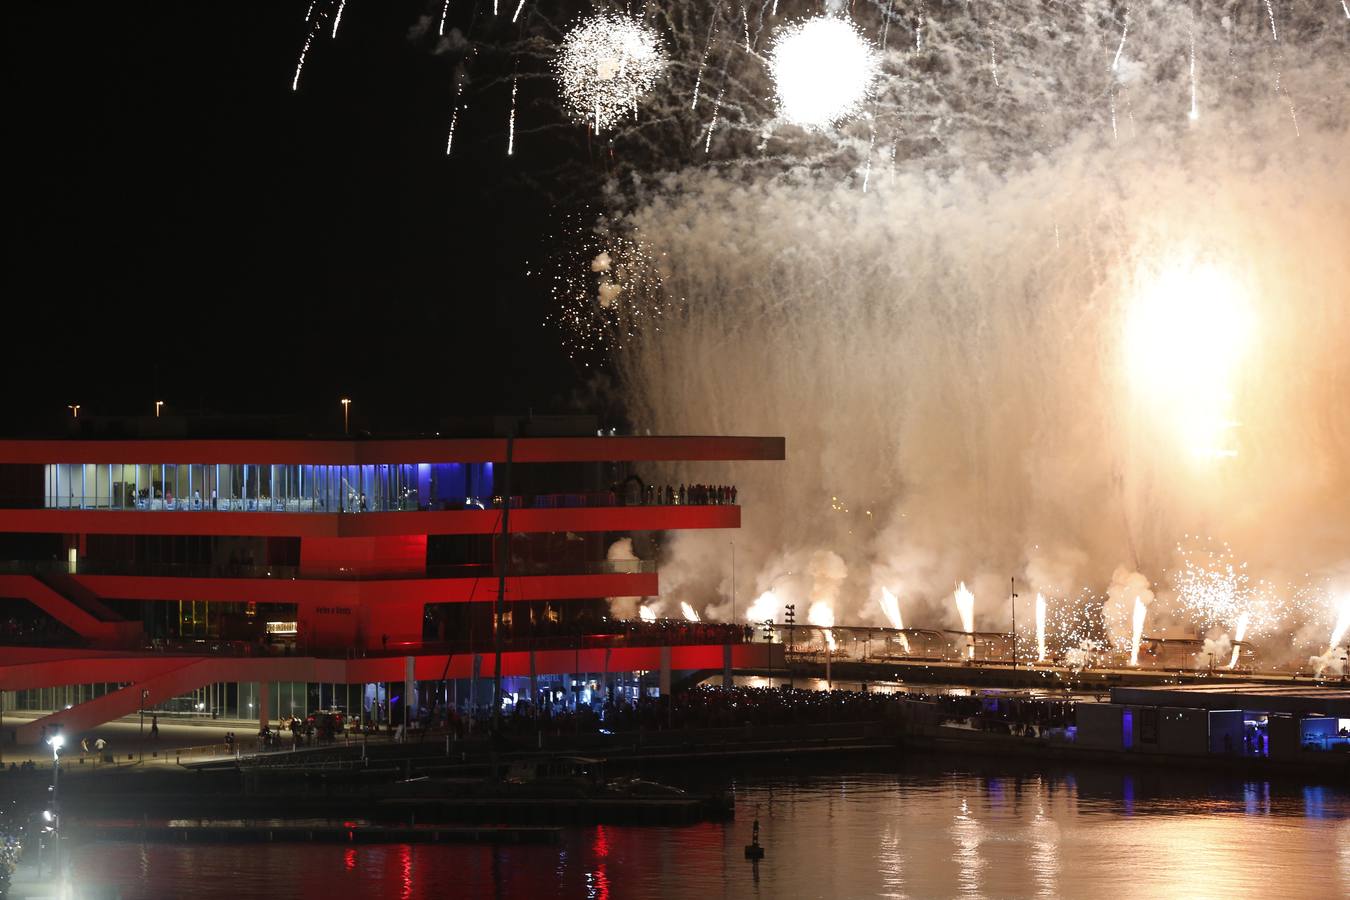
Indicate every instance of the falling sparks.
{"type": "Point", "coordinates": [519, 7]}
{"type": "Point", "coordinates": [337, 19]}
{"type": "Point", "coordinates": [1195, 108]}
{"type": "Point", "coordinates": [1040, 627]}
{"type": "Point", "coordinates": [511, 122]}
{"type": "Point", "coordinates": [608, 292]}
{"type": "Point", "coordinates": [304, 51]}
{"type": "Point", "coordinates": [712, 126]}
{"type": "Point", "coordinates": [1270, 11]}
{"type": "Point", "coordinates": [445, 11]}
{"type": "Point", "coordinates": [690, 614]}
{"type": "Point", "coordinates": [823, 71]}
{"type": "Point", "coordinates": [605, 65]}
{"type": "Point", "coordinates": [450, 138]}
{"type": "Point", "coordinates": [1124, 31]}
{"type": "Point", "coordinates": [745, 21]}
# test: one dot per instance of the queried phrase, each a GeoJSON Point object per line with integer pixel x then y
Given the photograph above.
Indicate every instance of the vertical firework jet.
{"type": "Point", "coordinates": [1137, 629]}
{"type": "Point", "coordinates": [965, 608]}
{"type": "Point", "coordinates": [1040, 627]}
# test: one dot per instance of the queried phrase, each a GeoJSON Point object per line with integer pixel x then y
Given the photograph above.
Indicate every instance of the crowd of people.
{"type": "Point", "coordinates": [690, 495]}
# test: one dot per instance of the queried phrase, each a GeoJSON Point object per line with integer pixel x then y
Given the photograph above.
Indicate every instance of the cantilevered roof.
{"type": "Point", "coordinates": [1326, 699]}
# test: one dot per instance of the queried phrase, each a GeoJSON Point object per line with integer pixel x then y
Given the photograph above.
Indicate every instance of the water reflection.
{"type": "Point", "coordinates": [925, 830]}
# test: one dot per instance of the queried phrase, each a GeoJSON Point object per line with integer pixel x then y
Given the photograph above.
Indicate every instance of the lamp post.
{"type": "Point", "coordinates": [74, 410]}
{"type": "Point", "coordinates": [159, 404]}
{"type": "Point", "coordinates": [346, 415]}
{"type": "Point", "coordinates": [57, 741]}
{"type": "Point", "coordinates": [145, 693]}
{"type": "Point", "coordinates": [1012, 591]}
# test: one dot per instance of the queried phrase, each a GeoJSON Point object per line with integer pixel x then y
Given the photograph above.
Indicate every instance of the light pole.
{"type": "Point", "coordinates": [1012, 591]}
{"type": "Point", "coordinates": [346, 415]}
{"type": "Point", "coordinates": [74, 410]}
{"type": "Point", "coordinates": [57, 741]}
{"type": "Point", "coordinates": [159, 404]}
{"type": "Point", "coordinates": [144, 694]}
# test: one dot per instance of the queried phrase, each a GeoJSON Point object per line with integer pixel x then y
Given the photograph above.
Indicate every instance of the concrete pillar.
{"type": "Point", "coordinates": [534, 683]}
{"type": "Point", "coordinates": [665, 672]}
{"type": "Point", "coordinates": [726, 665]}
{"type": "Point", "coordinates": [264, 699]}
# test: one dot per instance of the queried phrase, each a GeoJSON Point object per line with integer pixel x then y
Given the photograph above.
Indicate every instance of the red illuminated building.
{"type": "Point", "coordinates": [256, 578]}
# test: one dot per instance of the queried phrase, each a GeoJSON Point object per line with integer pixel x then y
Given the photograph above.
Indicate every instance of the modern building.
{"type": "Point", "coordinates": [264, 577]}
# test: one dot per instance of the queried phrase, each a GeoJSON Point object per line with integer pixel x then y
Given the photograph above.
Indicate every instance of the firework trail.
{"type": "Point", "coordinates": [519, 7]}
{"type": "Point", "coordinates": [304, 51]}
{"type": "Point", "coordinates": [1240, 633]}
{"type": "Point", "coordinates": [337, 18]}
{"type": "Point", "coordinates": [450, 138]}
{"type": "Point", "coordinates": [511, 122]}
{"type": "Point", "coordinates": [445, 11]}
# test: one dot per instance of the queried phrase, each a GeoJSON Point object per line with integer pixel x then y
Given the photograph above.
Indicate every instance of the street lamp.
{"type": "Point", "coordinates": [74, 410]}
{"type": "Point", "coordinates": [57, 741]}
{"type": "Point", "coordinates": [158, 405]}
{"type": "Point", "coordinates": [346, 415]}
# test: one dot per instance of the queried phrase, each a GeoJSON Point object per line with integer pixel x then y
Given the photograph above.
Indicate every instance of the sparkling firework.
{"type": "Point", "coordinates": [511, 122]}
{"type": "Point", "coordinates": [445, 10]}
{"type": "Point", "coordinates": [1137, 629]}
{"type": "Point", "coordinates": [646, 614]}
{"type": "Point", "coordinates": [337, 18]}
{"type": "Point", "coordinates": [605, 65]}
{"type": "Point", "coordinates": [890, 605]}
{"type": "Point", "coordinates": [965, 608]}
{"type": "Point", "coordinates": [690, 614]}
{"type": "Point", "coordinates": [823, 70]}
{"type": "Point", "coordinates": [821, 614]}
{"type": "Point", "coordinates": [608, 292]}
{"type": "Point", "coordinates": [1040, 627]}
{"type": "Point", "coordinates": [1240, 633]}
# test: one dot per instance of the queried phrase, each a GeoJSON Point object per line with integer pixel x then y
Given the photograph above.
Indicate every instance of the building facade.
{"type": "Point", "coordinates": [259, 578]}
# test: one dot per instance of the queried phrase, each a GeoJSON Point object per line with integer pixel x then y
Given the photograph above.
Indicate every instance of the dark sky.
{"type": "Point", "coordinates": [184, 227]}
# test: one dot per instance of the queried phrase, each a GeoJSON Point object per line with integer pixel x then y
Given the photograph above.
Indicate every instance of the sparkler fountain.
{"type": "Point", "coordinates": [965, 607]}
{"type": "Point", "coordinates": [1040, 627]}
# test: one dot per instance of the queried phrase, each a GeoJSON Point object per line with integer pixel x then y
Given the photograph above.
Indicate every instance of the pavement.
{"type": "Point", "coordinates": [124, 740]}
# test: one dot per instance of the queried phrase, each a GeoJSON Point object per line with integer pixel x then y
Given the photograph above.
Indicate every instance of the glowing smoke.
{"type": "Point", "coordinates": [623, 607]}
{"type": "Point", "coordinates": [1332, 662]}
{"type": "Point", "coordinates": [973, 355]}
{"type": "Point", "coordinates": [765, 608]}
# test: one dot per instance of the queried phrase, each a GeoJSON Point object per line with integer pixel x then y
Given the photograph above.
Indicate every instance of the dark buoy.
{"type": "Point", "coordinates": [753, 850]}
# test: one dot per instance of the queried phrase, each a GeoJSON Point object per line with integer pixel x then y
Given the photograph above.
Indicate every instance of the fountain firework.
{"type": "Point", "coordinates": [965, 608]}
{"type": "Point", "coordinates": [1040, 627]}
{"type": "Point", "coordinates": [890, 605]}
{"type": "Point", "coordinates": [1137, 629]}
{"type": "Point", "coordinates": [1239, 633]}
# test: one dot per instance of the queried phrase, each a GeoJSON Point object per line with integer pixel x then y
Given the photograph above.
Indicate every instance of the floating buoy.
{"type": "Point", "coordinates": [753, 850]}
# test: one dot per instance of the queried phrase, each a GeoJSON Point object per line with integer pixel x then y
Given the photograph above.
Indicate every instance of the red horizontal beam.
{"type": "Point", "coordinates": [315, 592]}
{"type": "Point", "coordinates": [351, 453]}
{"type": "Point", "coordinates": [142, 666]}
{"type": "Point", "coordinates": [380, 524]}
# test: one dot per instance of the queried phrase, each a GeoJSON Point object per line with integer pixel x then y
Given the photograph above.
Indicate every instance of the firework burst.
{"type": "Point", "coordinates": [605, 66]}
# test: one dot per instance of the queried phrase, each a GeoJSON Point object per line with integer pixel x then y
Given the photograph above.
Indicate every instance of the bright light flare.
{"type": "Point", "coordinates": [965, 608]}
{"type": "Point", "coordinates": [1187, 332]}
{"type": "Point", "coordinates": [1137, 629]}
{"type": "Point", "coordinates": [1239, 634]}
{"type": "Point", "coordinates": [890, 605]}
{"type": "Point", "coordinates": [605, 65]}
{"type": "Point", "coordinates": [1040, 627]}
{"type": "Point", "coordinates": [823, 71]}
{"type": "Point", "coordinates": [822, 616]}
{"type": "Point", "coordinates": [690, 613]}
{"type": "Point", "coordinates": [646, 614]}
{"type": "Point", "coordinates": [764, 609]}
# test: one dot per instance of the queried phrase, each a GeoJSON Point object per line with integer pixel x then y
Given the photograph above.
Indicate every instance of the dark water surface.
{"type": "Point", "coordinates": [923, 830]}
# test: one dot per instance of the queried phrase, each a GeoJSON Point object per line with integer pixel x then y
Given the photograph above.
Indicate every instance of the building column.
{"type": "Point", "coordinates": [665, 672]}
{"type": "Point", "coordinates": [534, 685]}
{"type": "Point", "coordinates": [264, 699]}
{"type": "Point", "coordinates": [726, 665]}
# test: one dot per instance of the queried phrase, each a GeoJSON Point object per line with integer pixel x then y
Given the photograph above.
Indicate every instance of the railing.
{"type": "Point", "coordinates": [323, 573]}
{"type": "Point", "coordinates": [357, 506]}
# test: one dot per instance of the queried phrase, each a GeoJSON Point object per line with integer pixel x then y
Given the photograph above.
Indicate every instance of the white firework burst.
{"type": "Point", "coordinates": [606, 65]}
{"type": "Point", "coordinates": [823, 71]}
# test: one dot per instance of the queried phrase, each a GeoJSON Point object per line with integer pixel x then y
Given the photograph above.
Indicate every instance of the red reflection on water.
{"type": "Point", "coordinates": [350, 859]}
{"type": "Point", "coordinates": [405, 861]}
{"type": "Point", "coordinates": [597, 883]}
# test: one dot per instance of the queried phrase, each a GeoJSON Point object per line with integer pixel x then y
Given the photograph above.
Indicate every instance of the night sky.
{"type": "Point", "coordinates": [185, 228]}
